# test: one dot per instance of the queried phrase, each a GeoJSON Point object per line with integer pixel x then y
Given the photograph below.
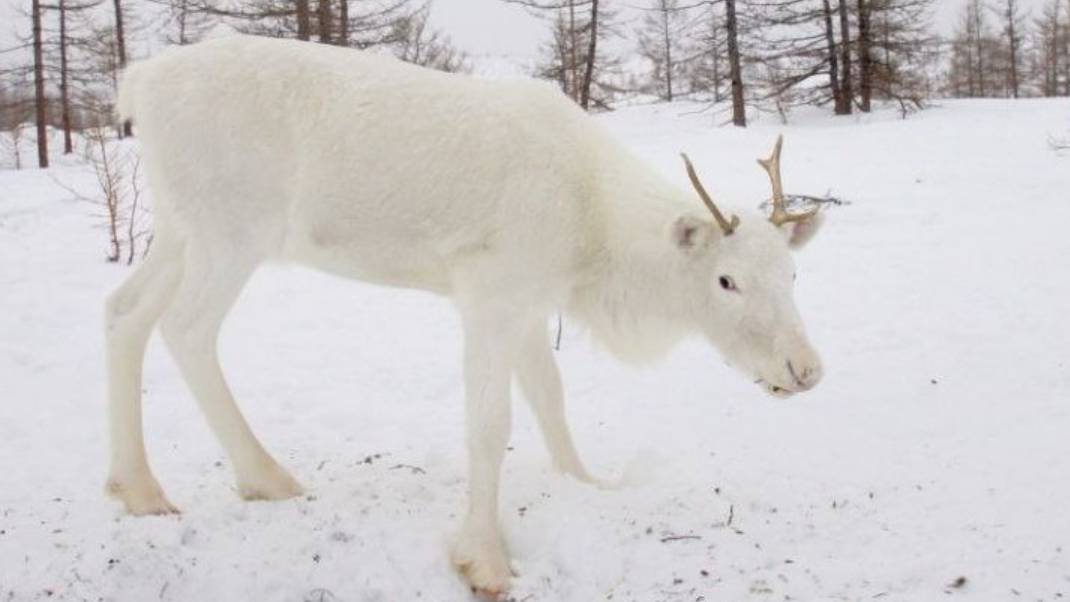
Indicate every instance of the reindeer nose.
{"type": "Point", "coordinates": [806, 376]}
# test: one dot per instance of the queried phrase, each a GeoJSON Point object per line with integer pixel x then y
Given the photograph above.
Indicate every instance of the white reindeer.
{"type": "Point", "coordinates": [503, 196]}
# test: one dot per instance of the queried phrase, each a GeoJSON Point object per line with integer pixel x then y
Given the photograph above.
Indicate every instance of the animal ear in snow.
{"type": "Point", "coordinates": [799, 233]}
{"type": "Point", "coordinates": [690, 233]}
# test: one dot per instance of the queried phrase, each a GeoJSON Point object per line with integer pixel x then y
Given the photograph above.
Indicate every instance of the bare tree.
{"type": "Point", "coordinates": [334, 23]}
{"type": "Point", "coordinates": [865, 56]}
{"type": "Point", "coordinates": [592, 49]}
{"type": "Point", "coordinates": [975, 14]}
{"type": "Point", "coordinates": [1066, 52]}
{"type": "Point", "coordinates": [64, 82]}
{"type": "Point", "coordinates": [40, 100]}
{"type": "Point", "coordinates": [902, 51]}
{"type": "Point", "coordinates": [735, 64]}
{"type": "Point", "coordinates": [799, 57]}
{"type": "Point", "coordinates": [661, 35]}
{"type": "Point", "coordinates": [323, 20]}
{"type": "Point", "coordinates": [574, 56]}
{"type": "Point", "coordinates": [120, 49]}
{"type": "Point", "coordinates": [977, 56]}
{"type": "Point", "coordinates": [417, 43]}
{"type": "Point", "coordinates": [707, 50]}
{"type": "Point", "coordinates": [1013, 37]}
{"type": "Point", "coordinates": [119, 194]}
{"type": "Point", "coordinates": [834, 61]}
{"type": "Point", "coordinates": [846, 85]}
{"type": "Point", "coordinates": [1047, 42]}
{"type": "Point", "coordinates": [190, 20]}
{"type": "Point", "coordinates": [64, 41]}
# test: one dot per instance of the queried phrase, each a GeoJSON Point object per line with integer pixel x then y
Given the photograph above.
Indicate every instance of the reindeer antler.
{"type": "Point", "coordinates": [780, 214]}
{"type": "Point", "coordinates": [728, 226]}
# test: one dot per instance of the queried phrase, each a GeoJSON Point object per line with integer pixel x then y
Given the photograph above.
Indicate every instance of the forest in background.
{"type": "Point", "coordinates": [740, 56]}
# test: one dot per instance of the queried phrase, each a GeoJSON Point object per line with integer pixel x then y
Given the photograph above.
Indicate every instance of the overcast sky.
{"type": "Point", "coordinates": [495, 27]}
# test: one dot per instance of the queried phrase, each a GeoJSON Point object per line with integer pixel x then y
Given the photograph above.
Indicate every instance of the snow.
{"type": "Point", "coordinates": [936, 448]}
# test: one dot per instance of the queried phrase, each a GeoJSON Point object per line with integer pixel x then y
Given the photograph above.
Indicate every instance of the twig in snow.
{"type": "Point", "coordinates": [320, 594]}
{"type": "Point", "coordinates": [669, 538]}
{"type": "Point", "coordinates": [414, 469]}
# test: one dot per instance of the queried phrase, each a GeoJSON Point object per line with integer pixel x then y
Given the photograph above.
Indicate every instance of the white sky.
{"type": "Point", "coordinates": [495, 27]}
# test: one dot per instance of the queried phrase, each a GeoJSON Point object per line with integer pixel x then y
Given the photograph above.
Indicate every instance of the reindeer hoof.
{"type": "Point", "coordinates": [581, 475]}
{"type": "Point", "coordinates": [272, 483]}
{"type": "Point", "coordinates": [484, 566]}
{"type": "Point", "coordinates": [141, 499]}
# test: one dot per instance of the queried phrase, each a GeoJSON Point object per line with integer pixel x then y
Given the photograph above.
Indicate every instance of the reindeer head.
{"type": "Point", "coordinates": [745, 274]}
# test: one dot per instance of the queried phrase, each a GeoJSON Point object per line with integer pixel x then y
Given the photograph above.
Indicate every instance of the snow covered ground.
{"type": "Point", "coordinates": [937, 448]}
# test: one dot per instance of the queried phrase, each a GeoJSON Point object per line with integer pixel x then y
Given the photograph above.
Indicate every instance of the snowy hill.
{"type": "Point", "coordinates": [937, 447]}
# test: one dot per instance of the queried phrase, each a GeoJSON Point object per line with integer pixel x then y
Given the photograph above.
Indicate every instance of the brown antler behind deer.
{"type": "Point", "coordinates": [728, 226]}
{"type": "Point", "coordinates": [780, 214]}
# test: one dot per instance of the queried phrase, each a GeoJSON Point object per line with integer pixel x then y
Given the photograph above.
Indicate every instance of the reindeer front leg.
{"type": "Point", "coordinates": [540, 382]}
{"type": "Point", "coordinates": [491, 342]}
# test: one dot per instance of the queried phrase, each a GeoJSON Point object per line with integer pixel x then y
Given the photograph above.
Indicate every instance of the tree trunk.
{"type": "Point", "coordinates": [739, 110]}
{"type": "Point", "coordinates": [1066, 50]}
{"type": "Point", "coordinates": [668, 50]}
{"type": "Point", "coordinates": [833, 59]}
{"type": "Point", "coordinates": [304, 21]}
{"type": "Point", "coordinates": [40, 101]}
{"type": "Point", "coordinates": [64, 89]}
{"type": "Point", "coordinates": [979, 48]}
{"type": "Point", "coordinates": [120, 46]}
{"type": "Point", "coordinates": [1053, 55]}
{"type": "Point", "coordinates": [846, 85]}
{"type": "Point", "coordinates": [572, 75]}
{"type": "Point", "coordinates": [1066, 53]}
{"type": "Point", "coordinates": [1012, 35]}
{"type": "Point", "coordinates": [183, 13]}
{"type": "Point", "coordinates": [865, 60]}
{"type": "Point", "coordinates": [343, 23]}
{"type": "Point", "coordinates": [323, 20]}
{"type": "Point", "coordinates": [592, 47]}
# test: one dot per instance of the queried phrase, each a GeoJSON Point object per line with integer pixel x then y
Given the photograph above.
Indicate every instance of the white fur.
{"type": "Point", "coordinates": [503, 196]}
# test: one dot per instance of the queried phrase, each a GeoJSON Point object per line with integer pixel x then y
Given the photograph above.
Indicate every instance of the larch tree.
{"type": "Point", "coordinates": [65, 10]}
{"type": "Point", "coordinates": [800, 55]}
{"type": "Point", "coordinates": [1013, 34]}
{"type": "Point", "coordinates": [662, 37]}
{"type": "Point", "coordinates": [187, 21]}
{"type": "Point", "coordinates": [374, 24]}
{"type": "Point", "coordinates": [120, 48]}
{"type": "Point", "coordinates": [575, 56]}
{"type": "Point", "coordinates": [846, 83]}
{"type": "Point", "coordinates": [419, 44]}
{"type": "Point", "coordinates": [1050, 35]}
{"type": "Point", "coordinates": [902, 51]}
{"type": "Point", "coordinates": [40, 99]}
{"type": "Point", "coordinates": [865, 55]}
{"type": "Point", "coordinates": [835, 82]}
{"type": "Point", "coordinates": [707, 51]}
{"type": "Point", "coordinates": [735, 64]}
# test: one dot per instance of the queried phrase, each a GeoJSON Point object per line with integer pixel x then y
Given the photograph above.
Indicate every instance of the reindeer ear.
{"type": "Point", "coordinates": [800, 233]}
{"type": "Point", "coordinates": [690, 233]}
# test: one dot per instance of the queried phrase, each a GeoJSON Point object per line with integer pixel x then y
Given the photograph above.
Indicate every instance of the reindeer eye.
{"type": "Point", "coordinates": [727, 283]}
